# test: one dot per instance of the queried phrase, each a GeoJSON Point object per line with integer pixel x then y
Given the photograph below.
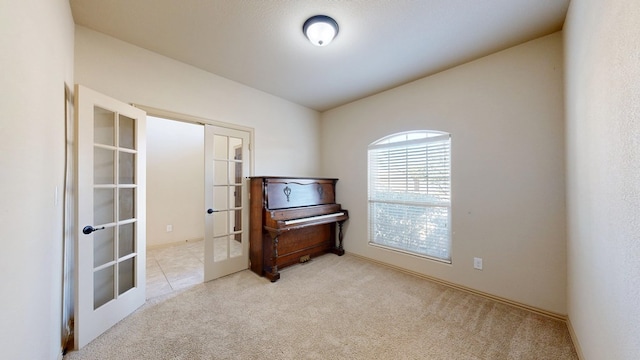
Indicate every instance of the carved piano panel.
{"type": "Point", "coordinates": [288, 193]}
{"type": "Point", "coordinates": [292, 221]}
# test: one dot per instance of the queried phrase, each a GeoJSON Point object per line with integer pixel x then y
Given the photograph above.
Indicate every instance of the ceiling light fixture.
{"type": "Point", "coordinates": [320, 30]}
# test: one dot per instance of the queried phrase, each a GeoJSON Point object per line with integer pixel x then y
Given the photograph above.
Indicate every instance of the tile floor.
{"type": "Point", "coordinates": [174, 267]}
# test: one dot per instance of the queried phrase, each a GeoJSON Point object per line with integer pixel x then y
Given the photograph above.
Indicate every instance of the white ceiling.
{"type": "Point", "coordinates": [381, 43]}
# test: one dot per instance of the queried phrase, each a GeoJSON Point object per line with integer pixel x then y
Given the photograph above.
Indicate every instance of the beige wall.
{"type": "Point", "coordinates": [505, 114]}
{"type": "Point", "coordinates": [37, 62]}
{"type": "Point", "coordinates": [132, 74]}
{"type": "Point", "coordinates": [175, 181]}
{"type": "Point", "coordinates": [603, 176]}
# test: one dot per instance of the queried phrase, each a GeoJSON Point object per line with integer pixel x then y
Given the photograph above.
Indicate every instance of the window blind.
{"type": "Point", "coordinates": [410, 193]}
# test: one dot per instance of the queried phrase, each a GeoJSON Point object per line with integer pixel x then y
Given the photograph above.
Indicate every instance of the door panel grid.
{"type": "Point", "coordinates": [114, 173]}
{"type": "Point", "coordinates": [226, 187]}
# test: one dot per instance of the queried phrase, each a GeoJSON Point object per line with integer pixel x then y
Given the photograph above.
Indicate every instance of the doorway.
{"type": "Point", "coordinates": [176, 199]}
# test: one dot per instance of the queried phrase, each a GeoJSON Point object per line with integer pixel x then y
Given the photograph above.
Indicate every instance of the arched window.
{"type": "Point", "coordinates": [410, 193]}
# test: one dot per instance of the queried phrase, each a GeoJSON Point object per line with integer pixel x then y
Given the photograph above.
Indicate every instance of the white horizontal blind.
{"type": "Point", "coordinates": [410, 193]}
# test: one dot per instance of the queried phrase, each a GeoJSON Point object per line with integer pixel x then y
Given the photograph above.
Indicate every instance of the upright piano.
{"type": "Point", "coordinates": [291, 221]}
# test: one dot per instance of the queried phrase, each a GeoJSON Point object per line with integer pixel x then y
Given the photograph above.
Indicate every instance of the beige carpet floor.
{"type": "Point", "coordinates": [330, 308]}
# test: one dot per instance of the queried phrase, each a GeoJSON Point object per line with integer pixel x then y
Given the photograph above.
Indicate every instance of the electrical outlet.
{"type": "Point", "coordinates": [169, 228]}
{"type": "Point", "coordinates": [477, 263]}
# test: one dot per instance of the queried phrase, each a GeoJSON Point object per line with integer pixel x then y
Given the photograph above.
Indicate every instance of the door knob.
{"type": "Point", "coordinates": [210, 211]}
{"type": "Point", "coordinates": [89, 229]}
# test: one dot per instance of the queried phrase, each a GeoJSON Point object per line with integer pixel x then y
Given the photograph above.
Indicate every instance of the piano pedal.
{"type": "Point", "coordinates": [304, 259]}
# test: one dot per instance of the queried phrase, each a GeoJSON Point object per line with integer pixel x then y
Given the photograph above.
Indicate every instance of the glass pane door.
{"type": "Point", "coordinates": [226, 223]}
{"type": "Point", "coordinates": [110, 242]}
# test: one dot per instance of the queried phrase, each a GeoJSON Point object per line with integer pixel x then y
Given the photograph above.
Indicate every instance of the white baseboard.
{"type": "Point", "coordinates": [174, 243]}
{"type": "Point", "coordinates": [574, 338]}
{"type": "Point", "coordinates": [499, 299]}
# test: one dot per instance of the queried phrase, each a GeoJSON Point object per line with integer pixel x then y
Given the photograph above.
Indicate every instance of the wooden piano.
{"type": "Point", "coordinates": [292, 220]}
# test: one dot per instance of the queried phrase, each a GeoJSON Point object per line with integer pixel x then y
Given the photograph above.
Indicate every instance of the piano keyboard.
{"type": "Point", "coordinates": [313, 218]}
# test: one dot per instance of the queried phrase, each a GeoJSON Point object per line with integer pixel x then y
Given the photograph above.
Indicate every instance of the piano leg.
{"type": "Point", "coordinates": [339, 250]}
{"type": "Point", "coordinates": [274, 275]}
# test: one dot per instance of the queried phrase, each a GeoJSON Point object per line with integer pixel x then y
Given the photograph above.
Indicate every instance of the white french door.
{"type": "Point", "coordinates": [110, 254]}
{"type": "Point", "coordinates": [227, 164]}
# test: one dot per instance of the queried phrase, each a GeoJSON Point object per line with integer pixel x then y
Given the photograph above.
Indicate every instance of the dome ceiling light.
{"type": "Point", "coordinates": [320, 29]}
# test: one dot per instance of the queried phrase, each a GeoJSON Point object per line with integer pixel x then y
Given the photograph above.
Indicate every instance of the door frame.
{"type": "Point", "coordinates": [189, 119]}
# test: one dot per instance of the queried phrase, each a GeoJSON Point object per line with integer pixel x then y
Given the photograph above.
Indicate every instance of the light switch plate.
{"type": "Point", "coordinates": [477, 263]}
